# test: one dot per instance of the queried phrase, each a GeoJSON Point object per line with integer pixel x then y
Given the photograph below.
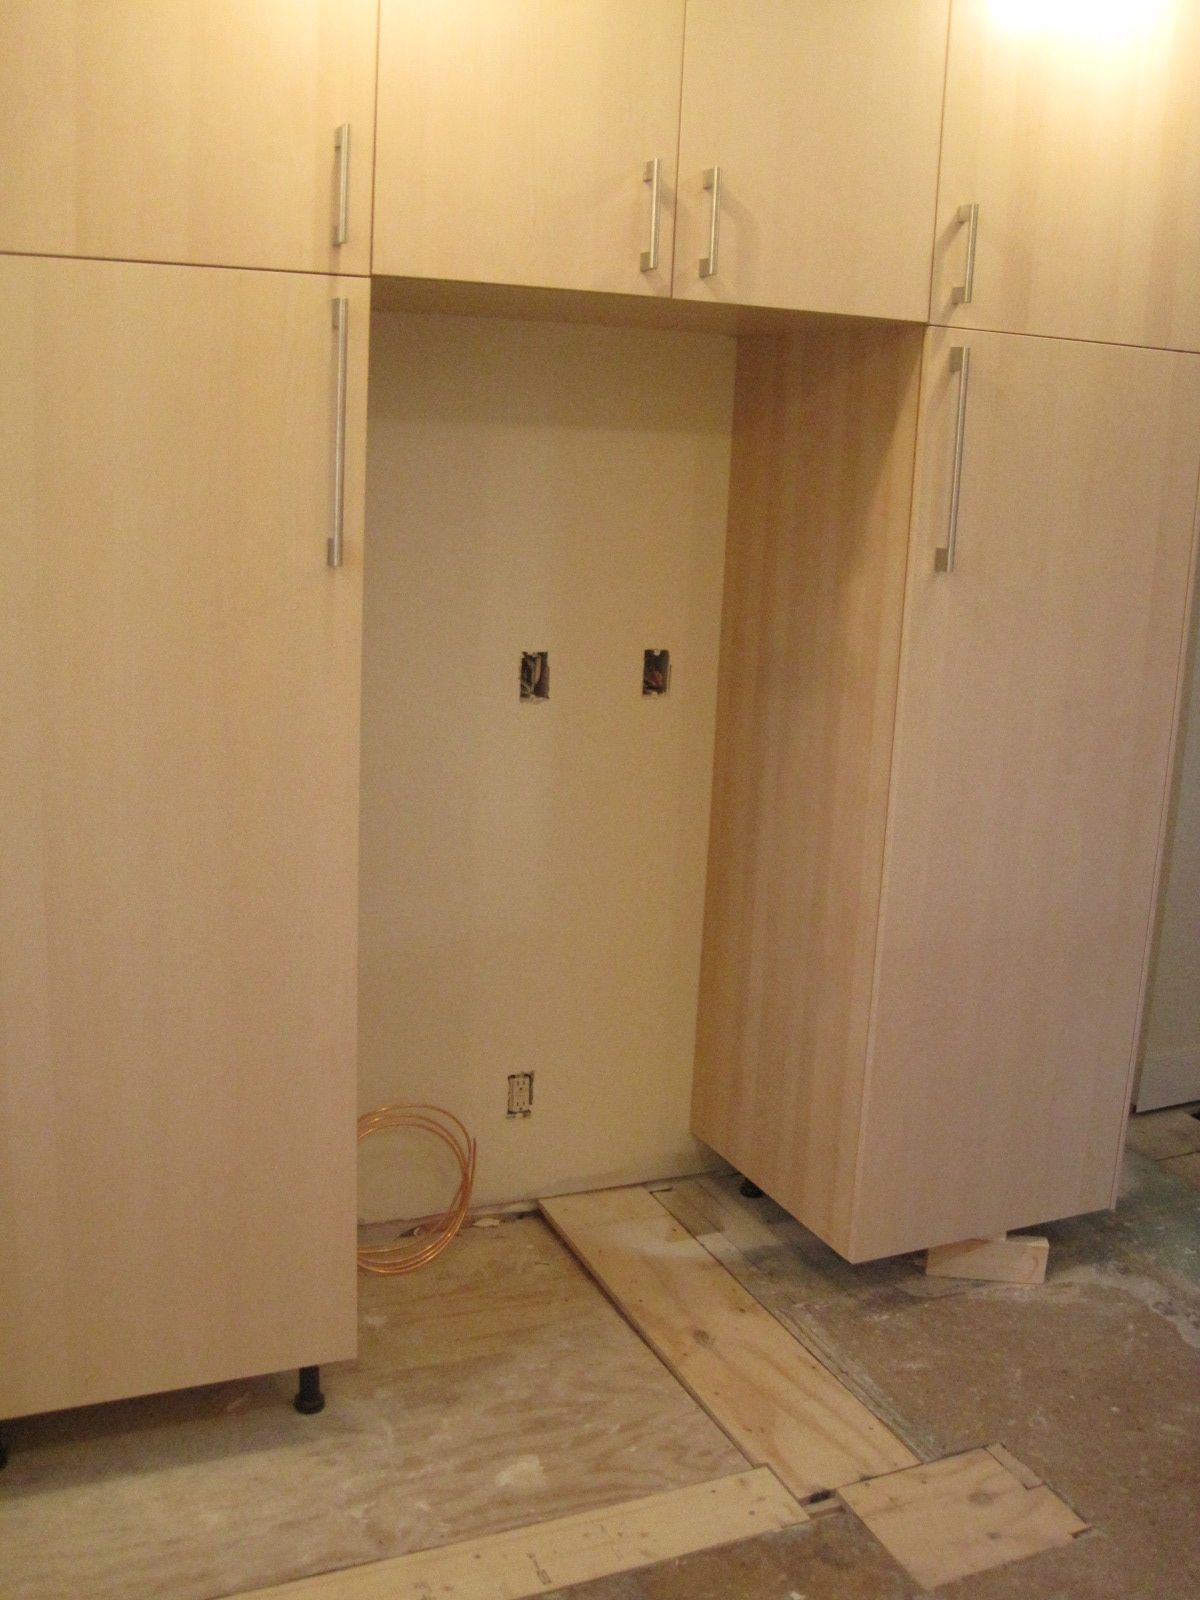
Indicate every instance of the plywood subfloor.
{"type": "Point", "coordinates": [497, 1388]}
{"type": "Point", "coordinates": [963, 1515]}
{"type": "Point", "coordinates": [833, 1559]}
{"type": "Point", "coordinates": [568, 1550]}
{"type": "Point", "coordinates": [500, 1390]}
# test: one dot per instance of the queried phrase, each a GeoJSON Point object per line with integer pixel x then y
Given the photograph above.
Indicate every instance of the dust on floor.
{"type": "Point", "coordinates": [499, 1389]}
{"type": "Point", "coordinates": [495, 1388]}
{"type": "Point", "coordinates": [1092, 1380]}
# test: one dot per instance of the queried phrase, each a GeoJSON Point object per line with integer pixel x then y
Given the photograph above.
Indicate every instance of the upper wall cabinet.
{"type": "Point", "coordinates": [1068, 202]}
{"type": "Point", "coordinates": [198, 131]}
{"type": "Point", "coordinates": [529, 141]}
{"type": "Point", "coordinates": [808, 153]}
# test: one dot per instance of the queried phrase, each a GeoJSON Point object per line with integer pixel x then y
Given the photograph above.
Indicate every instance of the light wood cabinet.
{"type": "Point", "coordinates": [179, 673]}
{"type": "Point", "coordinates": [195, 131]}
{"type": "Point", "coordinates": [1076, 132]}
{"type": "Point", "coordinates": [1038, 685]}
{"type": "Point", "coordinates": [925, 1034]}
{"type": "Point", "coordinates": [515, 136]}
{"type": "Point", "coordinates": [823, 119]}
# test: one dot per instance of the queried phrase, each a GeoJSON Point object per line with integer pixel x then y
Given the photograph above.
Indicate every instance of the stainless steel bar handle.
{"type": "Point", "coordinates": [960, 362]}
{"type": "Point", "coordinates": [708, 263]}
{"type": "Point", "coordinates": [341, 148]}
{"type": "Point", "coordinates": [652, 174]}
{"type": "Point", "coordinates": [968, 216]}
{"type": "Point", "coordinates": [341, 324]}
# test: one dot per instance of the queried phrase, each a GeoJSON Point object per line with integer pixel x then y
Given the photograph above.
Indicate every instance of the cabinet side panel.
{"type": "Point", "coordinates": [824, 434]}
{"type": "Point", "coordinates": [1171, 1037]}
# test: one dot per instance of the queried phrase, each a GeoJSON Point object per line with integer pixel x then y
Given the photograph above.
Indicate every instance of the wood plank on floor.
{"type": "Point", "coordinates": [965, 1514]}
{"type": "Point", "coordinates": [570, 1550]}
{"type": "Point", "coordinates": [774, 1400]}
{"type": "Point", "coordinates": [1185, 1167]}
{"type": "Point", "coordinates": [725, 1224]}
{"type": "Point", "coordinates": [766, 1263]}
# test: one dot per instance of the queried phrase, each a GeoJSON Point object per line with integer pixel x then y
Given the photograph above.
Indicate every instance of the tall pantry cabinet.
{"type": "Point", "coordinates": [1038, 680]}
{"type": "Point", "coordinates": [936, 841]}
{"type": "Point", "coordinates": [939, 797]}
{"type": "Point", "coordinates": [182, 449]}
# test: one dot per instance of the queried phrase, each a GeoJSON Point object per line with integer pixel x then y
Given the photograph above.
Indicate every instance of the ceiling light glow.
{"type": "Point", "coordinates": [1101, 22]}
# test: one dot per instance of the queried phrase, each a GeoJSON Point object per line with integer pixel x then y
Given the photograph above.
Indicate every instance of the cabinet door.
{"type": "Point", "coordinates": [1038, 685]}
{"type": "Point", "coordinates": [178, 795]}
{"type": "Point", "coordinates": [188, 130]}
{"type": "Point", "coordinates": [1076, 131]}
{"type": "Point", "coordinates": [515, 138]}
{"type": "Point", "coordinates": [822, 117]}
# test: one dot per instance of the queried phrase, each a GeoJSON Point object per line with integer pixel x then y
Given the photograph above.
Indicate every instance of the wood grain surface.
{"type": "Point", "coordinates": [772, 1398]}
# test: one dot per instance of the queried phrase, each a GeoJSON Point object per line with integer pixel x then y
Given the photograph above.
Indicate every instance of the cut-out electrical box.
{"type": "Point", "coordinates": [656, 672]}
{"type": "Point", "coordinates": [535, 675]}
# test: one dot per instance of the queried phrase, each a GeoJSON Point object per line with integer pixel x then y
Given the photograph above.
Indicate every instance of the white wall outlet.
{"type": "Point", "coordinates": [520, 1094]}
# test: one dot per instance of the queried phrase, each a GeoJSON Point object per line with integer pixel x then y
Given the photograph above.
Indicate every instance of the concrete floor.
{"type": "Point", "coordinates": [498, 1388]}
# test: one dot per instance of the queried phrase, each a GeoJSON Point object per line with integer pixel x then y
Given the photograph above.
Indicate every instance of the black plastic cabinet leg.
{"type": "Point", "coordinates": [3, 1452]}
{"type": "Point", "coordinates": [309, 1399]}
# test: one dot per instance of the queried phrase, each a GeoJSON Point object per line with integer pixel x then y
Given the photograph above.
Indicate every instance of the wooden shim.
{"type": "Point", "coordinates": [1015, 1258]}
{"type": "Point", "coordinates": [569, 1550]}
{"type": "Point", "coordinates": [773, 1399]}
{"type": "Point", "coordinates": [961, 1515]}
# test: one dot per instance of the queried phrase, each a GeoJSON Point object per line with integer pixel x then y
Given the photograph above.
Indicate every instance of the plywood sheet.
{"type": "Point", "coordinates": [495, 1388]}
{"type": "Point", "coordinates": [554, 1555]}
{"type": "Point", "coordinates": [965, 1514]}
{"type": "Point", "coordinates": [773, 1399]}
